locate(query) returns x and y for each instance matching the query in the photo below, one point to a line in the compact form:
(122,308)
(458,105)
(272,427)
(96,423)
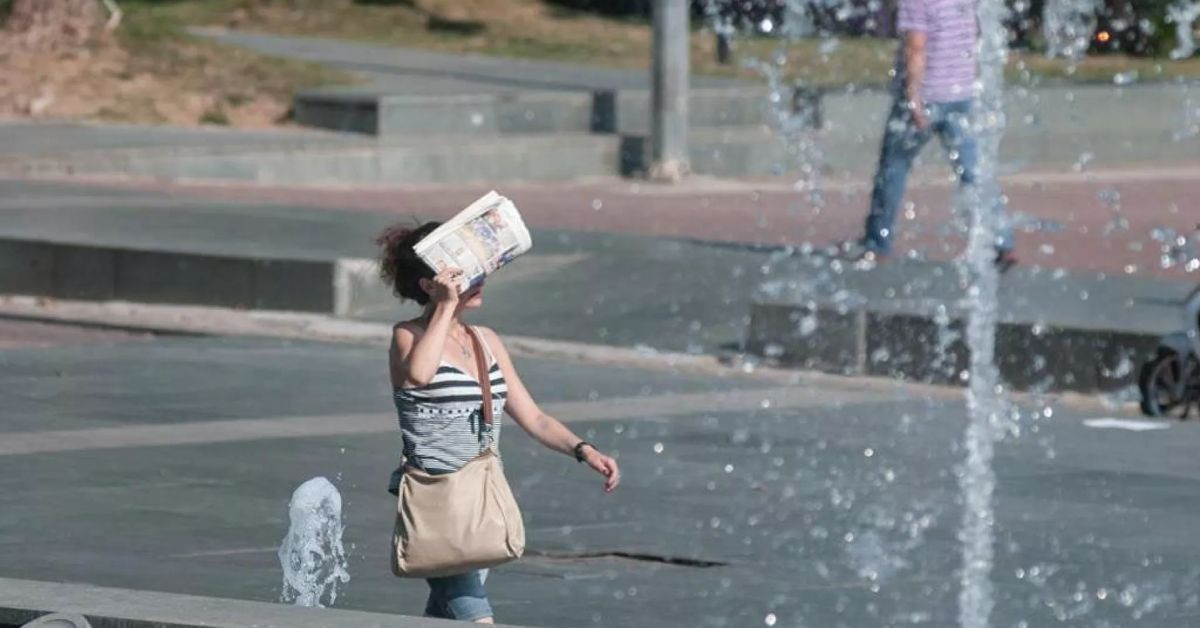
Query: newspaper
(481,239)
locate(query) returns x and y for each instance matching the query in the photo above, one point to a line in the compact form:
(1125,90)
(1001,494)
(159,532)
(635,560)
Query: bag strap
(485,375)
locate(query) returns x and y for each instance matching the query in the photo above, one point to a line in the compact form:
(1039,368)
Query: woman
(438,396)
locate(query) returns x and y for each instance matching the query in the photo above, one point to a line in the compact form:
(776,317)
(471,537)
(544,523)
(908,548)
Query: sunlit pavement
(1114,221)
(823,505)
(617,275)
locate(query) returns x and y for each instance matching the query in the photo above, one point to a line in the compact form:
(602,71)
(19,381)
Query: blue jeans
(459,597)
(902,140)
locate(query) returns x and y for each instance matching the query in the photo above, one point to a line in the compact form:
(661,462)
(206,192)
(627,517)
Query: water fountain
(1067,27)
(312,555)
(1184,15)
(985,403)
(867,552)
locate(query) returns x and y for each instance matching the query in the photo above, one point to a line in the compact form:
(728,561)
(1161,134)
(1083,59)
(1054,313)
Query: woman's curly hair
(399,266)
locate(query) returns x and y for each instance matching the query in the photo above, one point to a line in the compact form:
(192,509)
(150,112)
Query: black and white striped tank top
(442,422)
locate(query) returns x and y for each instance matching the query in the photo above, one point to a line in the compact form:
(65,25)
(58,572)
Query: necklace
(461,347)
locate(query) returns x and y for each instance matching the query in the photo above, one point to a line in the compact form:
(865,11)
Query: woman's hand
(444,286)
(605,466)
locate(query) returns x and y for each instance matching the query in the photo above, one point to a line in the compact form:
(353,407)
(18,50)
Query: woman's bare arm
(416,355)
(544,428)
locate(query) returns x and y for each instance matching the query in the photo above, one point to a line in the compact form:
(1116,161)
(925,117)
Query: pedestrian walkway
(819,504)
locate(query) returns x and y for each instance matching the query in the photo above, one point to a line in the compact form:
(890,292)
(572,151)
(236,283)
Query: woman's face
(472,299)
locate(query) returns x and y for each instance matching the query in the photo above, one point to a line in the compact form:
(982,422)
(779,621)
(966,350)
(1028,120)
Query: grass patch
(534,29)
(153,32)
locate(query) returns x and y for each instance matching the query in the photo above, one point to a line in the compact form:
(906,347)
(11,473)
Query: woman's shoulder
(405,333)
(412,326)
(487,332)
(493,339)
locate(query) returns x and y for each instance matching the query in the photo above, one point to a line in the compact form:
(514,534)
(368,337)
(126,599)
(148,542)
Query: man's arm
(914,65)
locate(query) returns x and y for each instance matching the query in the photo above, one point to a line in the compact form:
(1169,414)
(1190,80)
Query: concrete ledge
(1098,124)
(401,116)
(434,159)
(717,152)
(853,340)
(98,273)
(22,601)
(708,108)
(533,112)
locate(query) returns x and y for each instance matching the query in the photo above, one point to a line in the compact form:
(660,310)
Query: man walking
(936,73)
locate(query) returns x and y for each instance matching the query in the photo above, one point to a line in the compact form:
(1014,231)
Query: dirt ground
(58,60)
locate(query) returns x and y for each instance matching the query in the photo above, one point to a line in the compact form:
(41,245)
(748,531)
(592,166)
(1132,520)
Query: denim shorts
(459,597)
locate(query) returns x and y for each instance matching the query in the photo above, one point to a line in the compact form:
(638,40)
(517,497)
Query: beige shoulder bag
(452,523)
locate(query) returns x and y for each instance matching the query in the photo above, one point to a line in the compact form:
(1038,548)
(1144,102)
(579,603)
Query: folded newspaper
(480,240)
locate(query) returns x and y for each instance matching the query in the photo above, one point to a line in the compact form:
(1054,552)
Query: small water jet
(312,555)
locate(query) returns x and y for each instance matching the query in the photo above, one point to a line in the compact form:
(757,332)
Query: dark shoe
(1005,260)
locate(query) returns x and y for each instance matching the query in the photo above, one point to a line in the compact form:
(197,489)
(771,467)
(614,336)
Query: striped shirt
(952,34)
(441,422)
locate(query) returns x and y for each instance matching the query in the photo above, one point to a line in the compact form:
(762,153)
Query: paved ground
(1112,221)
(166,463)
(25,139)
(830,504)
(636,273)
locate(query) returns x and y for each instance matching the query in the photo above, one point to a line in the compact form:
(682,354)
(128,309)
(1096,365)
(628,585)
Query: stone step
(708,108)
(1058,125)
(24,601)
(625,111)
(436,159)
(405,116)
(136,273)
(722,152)
(749,151)
(864,340)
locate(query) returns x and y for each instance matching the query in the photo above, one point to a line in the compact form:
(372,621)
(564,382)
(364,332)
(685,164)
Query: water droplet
(868,452)
(658,448)
(597,204)
(1125,78)
(769,619)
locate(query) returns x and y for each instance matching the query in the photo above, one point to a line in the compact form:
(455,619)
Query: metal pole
(669,97)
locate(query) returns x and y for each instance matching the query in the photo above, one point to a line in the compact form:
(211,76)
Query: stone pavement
(831,504)
(1112,221)
(607,277)
(24,139)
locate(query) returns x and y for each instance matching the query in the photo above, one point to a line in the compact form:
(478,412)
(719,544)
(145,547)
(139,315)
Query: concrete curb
(930,348)
(433,159)
(523,112)
(404,116)
(22,601)
(99,273)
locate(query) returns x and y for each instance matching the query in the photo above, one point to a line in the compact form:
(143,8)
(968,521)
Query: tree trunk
(53,24)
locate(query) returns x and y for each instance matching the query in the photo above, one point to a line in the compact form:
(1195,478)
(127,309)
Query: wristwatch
(579,449)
